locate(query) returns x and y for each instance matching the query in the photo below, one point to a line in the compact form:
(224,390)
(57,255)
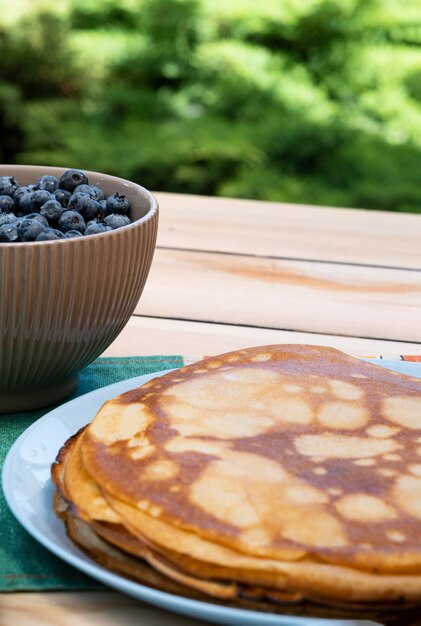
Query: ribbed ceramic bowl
(63,302)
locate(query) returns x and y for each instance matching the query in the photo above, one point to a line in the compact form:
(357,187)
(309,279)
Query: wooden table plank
(145,336)
(314,297)
(289,230)
(84,608)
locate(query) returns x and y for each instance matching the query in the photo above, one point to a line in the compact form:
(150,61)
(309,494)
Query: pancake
(281,452)
(269,475)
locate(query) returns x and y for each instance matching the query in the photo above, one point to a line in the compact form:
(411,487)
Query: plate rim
(199,609)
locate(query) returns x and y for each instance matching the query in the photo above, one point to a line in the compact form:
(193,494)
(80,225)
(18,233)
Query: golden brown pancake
(282,473)
(282,452)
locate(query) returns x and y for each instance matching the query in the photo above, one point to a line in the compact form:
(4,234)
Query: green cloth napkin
(25,565)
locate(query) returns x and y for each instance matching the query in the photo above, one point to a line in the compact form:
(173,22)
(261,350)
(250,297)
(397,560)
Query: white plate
(29,492)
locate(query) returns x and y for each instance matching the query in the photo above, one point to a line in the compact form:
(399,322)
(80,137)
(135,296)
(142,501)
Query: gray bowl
(62,303)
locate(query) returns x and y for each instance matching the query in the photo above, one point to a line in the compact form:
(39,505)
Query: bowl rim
(152,211)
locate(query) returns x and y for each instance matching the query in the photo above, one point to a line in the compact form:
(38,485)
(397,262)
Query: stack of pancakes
(264,477)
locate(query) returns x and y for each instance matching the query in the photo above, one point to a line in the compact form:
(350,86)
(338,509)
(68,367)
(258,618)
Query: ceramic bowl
(62,303)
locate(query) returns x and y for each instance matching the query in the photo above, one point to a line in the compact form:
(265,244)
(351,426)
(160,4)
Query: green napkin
(24,564)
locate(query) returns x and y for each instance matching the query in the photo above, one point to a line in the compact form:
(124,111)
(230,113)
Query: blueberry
(84,204)
(72,179)
(95,192)
(30,229)
(25,203)
(116,221)
(71,234)
(23,199)
(94,228)
(93,223)
(95,211)
(52,211)
(78,201)
(71,220)
(117,203)
(50,234)
(62,196)
(48,183)
(7,204)
(8,218)
(22,190)
(39,218)
(8,233)
(38,198)
(8,185)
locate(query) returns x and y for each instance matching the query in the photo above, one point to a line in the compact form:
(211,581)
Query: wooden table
(231,273)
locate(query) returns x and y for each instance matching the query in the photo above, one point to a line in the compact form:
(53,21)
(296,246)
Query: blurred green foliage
(316,101)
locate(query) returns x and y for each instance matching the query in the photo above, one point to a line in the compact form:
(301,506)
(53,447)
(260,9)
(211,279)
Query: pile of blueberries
(55,208)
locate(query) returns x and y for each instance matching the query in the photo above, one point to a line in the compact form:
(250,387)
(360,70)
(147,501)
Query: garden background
(292,100)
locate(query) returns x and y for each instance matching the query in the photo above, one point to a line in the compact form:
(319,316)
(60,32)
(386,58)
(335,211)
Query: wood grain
(147,336)
(83,608)
(292,231)
(313,297)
